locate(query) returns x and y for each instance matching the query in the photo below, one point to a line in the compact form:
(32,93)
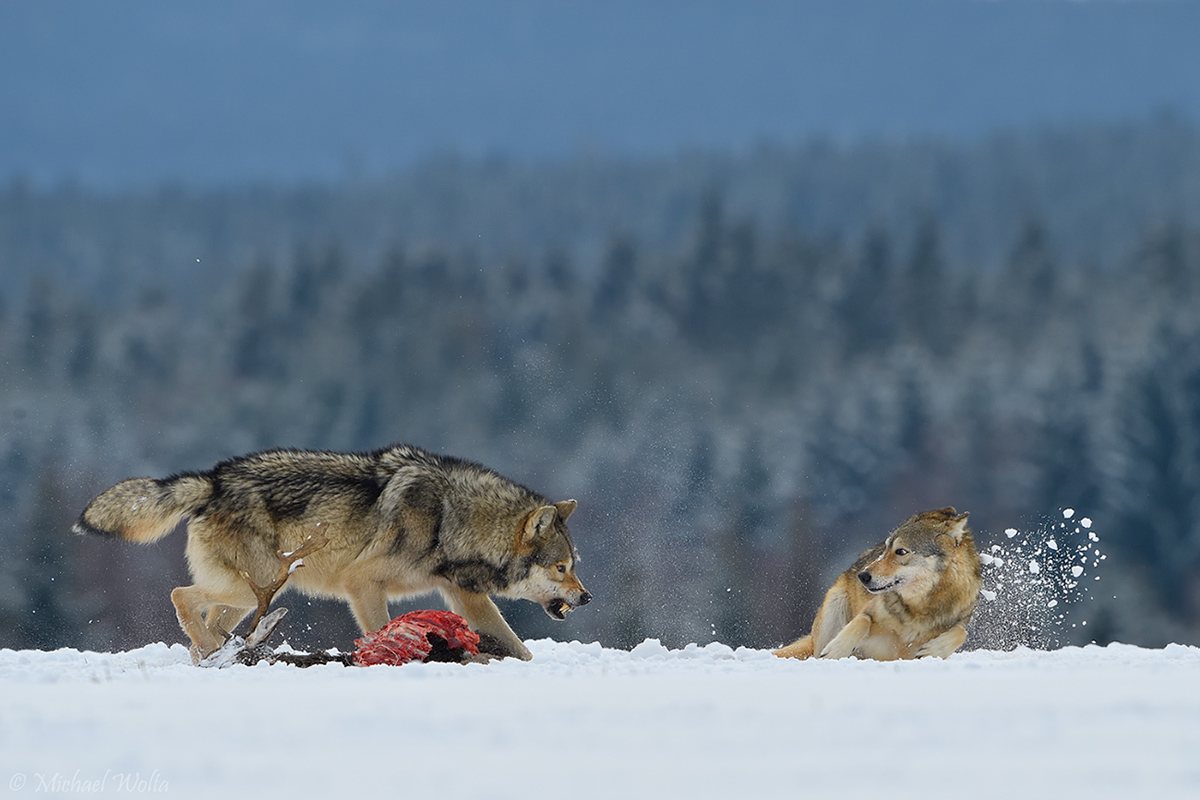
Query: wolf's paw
(849,638)
(494,647)
(929,650)
(944,645)
(838,649)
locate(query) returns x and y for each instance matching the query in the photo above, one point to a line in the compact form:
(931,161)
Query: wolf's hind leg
(849,638)
(222,619)
(484,618)
(943,645)
(801,648)
(192,603)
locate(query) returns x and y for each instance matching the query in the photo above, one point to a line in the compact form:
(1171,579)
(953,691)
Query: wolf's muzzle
(868,582)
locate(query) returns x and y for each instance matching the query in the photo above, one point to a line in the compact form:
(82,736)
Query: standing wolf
(909,596)
(398,522)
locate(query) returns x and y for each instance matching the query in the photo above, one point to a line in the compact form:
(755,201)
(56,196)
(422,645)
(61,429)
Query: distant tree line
(1095,188)
(738,413)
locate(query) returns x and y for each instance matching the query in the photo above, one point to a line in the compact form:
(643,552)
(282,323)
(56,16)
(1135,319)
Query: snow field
(584,721)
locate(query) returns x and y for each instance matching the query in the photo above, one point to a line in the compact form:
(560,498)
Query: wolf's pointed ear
(957,527)
(537,523)
(565,508)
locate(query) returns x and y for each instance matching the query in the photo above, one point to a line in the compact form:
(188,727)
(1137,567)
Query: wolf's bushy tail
(145,509)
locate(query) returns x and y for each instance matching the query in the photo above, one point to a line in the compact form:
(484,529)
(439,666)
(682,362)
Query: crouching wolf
(397,522)
(909,596)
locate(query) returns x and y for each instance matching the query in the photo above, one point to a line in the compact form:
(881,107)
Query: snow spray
(1036,586)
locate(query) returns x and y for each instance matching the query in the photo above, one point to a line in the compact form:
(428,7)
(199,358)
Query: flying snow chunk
(1068,513)
(1034,568)
(1086,522)
(988,594)
(1076,571)
(1053,545)
(1010,532)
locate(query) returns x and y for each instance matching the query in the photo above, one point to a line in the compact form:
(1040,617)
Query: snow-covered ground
(582,721)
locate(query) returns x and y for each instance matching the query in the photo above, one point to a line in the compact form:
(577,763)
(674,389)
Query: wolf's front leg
(843,645)
(484,618)
(370,606)
(943,645)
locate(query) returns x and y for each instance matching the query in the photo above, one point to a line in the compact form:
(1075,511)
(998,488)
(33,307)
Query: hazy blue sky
(125,93)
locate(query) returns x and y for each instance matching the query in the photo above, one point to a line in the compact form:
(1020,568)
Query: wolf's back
(145,509)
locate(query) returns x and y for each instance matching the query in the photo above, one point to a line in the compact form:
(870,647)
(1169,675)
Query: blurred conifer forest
(746,367)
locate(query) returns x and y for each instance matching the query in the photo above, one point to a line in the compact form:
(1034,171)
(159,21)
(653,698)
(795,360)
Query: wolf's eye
(562,569)
(900,551)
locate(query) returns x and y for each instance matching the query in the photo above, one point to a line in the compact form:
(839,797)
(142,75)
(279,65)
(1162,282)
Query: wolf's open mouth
(558,608)
(878,589)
